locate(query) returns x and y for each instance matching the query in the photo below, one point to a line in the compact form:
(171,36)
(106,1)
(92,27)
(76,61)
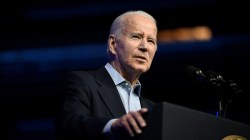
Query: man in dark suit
(106,103)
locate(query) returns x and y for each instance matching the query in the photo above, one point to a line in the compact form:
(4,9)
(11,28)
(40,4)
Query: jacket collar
(109,93)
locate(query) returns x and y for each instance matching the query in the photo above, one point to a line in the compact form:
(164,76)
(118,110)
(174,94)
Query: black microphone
(230,88)
(193,71)
(212,79)
(229,83)
(198,75)
(214,82)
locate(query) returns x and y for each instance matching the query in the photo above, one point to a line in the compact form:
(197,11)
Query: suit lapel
(109,93)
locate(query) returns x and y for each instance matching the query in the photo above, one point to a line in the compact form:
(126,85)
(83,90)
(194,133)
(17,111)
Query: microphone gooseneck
(226,90)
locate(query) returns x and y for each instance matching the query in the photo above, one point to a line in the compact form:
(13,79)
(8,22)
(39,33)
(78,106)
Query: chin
(142,69)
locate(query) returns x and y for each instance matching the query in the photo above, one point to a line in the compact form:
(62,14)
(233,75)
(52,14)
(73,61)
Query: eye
(151,41)
(136,36)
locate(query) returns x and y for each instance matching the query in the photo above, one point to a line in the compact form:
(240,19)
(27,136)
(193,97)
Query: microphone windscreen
(191,71)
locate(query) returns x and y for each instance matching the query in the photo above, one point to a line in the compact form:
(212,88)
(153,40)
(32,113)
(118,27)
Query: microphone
(225,89)
(198,75)
(230,84)
(211,78)
(193,71)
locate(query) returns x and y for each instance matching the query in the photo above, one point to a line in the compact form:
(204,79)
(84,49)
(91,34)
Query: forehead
(140,23)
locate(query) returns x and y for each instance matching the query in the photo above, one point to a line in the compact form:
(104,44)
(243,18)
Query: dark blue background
(41,40)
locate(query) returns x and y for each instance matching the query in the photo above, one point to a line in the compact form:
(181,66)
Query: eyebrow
(141,34)
(152,38)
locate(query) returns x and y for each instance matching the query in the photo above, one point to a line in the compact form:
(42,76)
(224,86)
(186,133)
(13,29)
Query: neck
(130,76)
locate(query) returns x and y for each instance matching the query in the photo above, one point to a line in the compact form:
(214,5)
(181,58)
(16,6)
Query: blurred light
(73,52)
(185,34)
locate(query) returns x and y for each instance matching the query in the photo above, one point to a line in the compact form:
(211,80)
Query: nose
(143,45)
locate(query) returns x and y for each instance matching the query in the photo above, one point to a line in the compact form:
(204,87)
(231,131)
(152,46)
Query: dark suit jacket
(90,99)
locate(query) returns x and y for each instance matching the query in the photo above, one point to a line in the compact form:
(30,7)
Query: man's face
(136,46)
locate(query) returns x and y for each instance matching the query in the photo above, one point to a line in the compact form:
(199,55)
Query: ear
(112,44)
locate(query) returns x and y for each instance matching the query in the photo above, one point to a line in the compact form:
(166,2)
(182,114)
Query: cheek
(129,52)
(152,53)
(125,54)
(122,50)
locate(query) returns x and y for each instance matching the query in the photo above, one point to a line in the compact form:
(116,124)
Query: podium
(168,121)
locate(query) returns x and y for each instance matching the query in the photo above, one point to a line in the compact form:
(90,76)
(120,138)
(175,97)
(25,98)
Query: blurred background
(43,39)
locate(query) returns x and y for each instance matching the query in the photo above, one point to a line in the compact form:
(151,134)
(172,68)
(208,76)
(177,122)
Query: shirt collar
(137,88)
(118,79)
